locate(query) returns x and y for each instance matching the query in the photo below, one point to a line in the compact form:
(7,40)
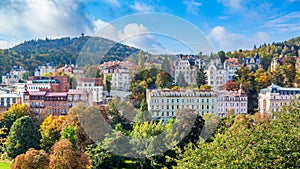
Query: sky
(158,26)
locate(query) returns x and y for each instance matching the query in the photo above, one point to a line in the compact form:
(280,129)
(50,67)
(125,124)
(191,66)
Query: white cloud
(140,7)
(225,40)
(132,34)
(113,3)
(233,4)
(288,22)
(137,35)
(29,19)
(192,6)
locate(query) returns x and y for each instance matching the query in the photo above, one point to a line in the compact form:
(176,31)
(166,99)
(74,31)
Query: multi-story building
(187,65)
(217,76)
(252,62)
(236,100)
(8,99)
(93,86)
(47,68)
(231,65)
(14,76)
(274,97)
(37,83)
(163,104)
(55,103)
(277,61)
(121,73)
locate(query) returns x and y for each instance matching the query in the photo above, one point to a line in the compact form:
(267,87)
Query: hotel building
(163,104)
(274,97)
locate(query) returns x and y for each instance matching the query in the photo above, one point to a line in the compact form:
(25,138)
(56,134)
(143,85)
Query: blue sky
(228,24)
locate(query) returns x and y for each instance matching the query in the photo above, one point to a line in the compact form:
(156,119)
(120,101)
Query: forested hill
(83,50)
(267,51)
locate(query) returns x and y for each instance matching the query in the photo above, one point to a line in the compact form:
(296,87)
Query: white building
(121,73)
(14,76)
(8,99)
(274,97)
(231,65)
(217,76)
(163,104)
(236,100)
(94,86)
(187,65)
(47,68)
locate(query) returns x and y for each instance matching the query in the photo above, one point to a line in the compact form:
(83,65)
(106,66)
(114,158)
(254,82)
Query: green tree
(252,141)
(222,56)
(107,83)
(143,114)
(25,75)
(181,80)
(69,133)
(165,66)
(201,77)
(22,136)
(163,80)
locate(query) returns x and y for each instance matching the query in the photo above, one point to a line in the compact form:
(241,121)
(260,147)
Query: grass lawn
(4,165)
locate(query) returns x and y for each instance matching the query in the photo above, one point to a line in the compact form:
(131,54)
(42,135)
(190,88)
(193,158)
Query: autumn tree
(63,156)
(22,136)
(12,114)
(163,80)
(33,159)
(50,130)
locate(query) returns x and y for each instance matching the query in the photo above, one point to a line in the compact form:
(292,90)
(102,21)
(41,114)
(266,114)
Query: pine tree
(181,80)
(141,62)
(165,66)
(201,77)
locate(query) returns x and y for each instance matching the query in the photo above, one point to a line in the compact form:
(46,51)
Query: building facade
(93,86)
(47,68)
(252,62)
(188,66)
(274,97)
(8,99)
(236,100)
(14,76)
(217,76)
(54,103)
(231,65)
(121,73)
(163,104)
(38,83)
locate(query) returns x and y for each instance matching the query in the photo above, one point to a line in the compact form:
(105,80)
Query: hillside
(80,50)
(268,51)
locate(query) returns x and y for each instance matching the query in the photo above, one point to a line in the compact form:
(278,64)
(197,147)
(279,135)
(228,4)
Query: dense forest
(79,50)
